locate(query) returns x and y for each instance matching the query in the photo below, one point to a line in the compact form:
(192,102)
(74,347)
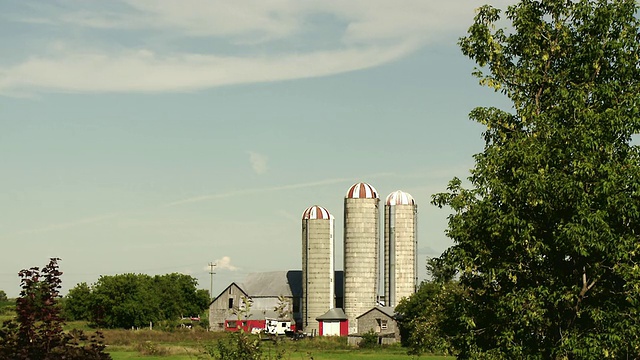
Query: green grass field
(188,344)
(316,349)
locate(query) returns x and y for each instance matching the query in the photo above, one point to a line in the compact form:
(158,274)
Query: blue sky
(156,137)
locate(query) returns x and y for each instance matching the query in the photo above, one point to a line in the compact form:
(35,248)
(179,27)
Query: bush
(369,340)
(150,348)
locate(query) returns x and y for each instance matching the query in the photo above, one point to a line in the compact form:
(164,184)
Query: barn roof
(285,283)
(273,284)
(278,283)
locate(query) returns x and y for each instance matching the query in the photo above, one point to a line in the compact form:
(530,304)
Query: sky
(160,136)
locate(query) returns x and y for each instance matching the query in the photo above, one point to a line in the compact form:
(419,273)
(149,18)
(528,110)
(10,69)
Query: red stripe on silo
(351,189)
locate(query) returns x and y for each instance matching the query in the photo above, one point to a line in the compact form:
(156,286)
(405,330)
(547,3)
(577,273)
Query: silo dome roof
(400,197)
(362,191)
(316,212)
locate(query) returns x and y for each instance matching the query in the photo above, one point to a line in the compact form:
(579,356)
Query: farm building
(333,323)
(380,319)
(317,296)
(265,291)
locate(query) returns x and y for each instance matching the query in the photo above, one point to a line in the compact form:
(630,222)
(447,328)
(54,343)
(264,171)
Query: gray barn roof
(285,283)
(273,284)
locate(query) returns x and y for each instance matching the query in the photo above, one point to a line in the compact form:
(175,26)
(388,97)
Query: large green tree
(427,317)
(77,303)
(126,300)
(546,237)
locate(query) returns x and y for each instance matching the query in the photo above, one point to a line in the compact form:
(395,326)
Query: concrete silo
(317,266)
(400,243)
(361,243)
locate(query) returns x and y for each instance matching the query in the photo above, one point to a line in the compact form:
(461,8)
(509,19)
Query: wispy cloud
(361,34)
(196,199)
(258,162)
(71,224)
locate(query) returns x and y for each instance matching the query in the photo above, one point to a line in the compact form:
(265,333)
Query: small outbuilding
(382,321)
(333,323)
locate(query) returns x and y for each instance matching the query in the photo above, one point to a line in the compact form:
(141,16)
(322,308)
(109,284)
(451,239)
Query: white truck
(277,327)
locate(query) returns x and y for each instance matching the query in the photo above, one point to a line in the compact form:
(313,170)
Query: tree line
(135,300)
(546,234)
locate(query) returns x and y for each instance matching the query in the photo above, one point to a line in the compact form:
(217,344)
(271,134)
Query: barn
(266,291)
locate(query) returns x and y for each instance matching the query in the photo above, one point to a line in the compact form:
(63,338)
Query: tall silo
(400,244)
(317,266)
(361,243)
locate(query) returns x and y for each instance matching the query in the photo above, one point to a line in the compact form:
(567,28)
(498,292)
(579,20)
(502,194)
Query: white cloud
(224,264)
(361,34)
(144,71)
(258,162)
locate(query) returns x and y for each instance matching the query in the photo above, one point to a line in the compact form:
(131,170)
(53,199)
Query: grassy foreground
(355,354)
(183,344)
(189,344)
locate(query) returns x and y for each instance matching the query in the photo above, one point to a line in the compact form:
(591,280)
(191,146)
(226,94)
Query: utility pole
(211,273)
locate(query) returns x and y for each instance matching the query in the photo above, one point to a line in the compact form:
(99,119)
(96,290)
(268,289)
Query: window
(230,303)
(383,324)
(232,324)
(244,323)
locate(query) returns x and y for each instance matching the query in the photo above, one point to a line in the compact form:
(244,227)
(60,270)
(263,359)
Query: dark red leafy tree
(37,331)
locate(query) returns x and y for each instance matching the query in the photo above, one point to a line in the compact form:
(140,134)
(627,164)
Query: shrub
(369,340)
(151,348)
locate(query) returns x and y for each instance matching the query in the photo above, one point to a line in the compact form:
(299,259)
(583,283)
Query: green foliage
(77,303)
(7,307)
(239,346)
(135,300)
(546,238)
(284,309)
(369,340)
(426,317)
(3,296)
(440,270)
(37,331)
